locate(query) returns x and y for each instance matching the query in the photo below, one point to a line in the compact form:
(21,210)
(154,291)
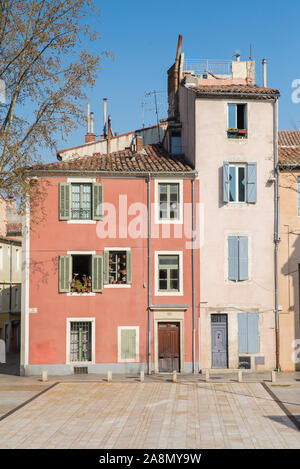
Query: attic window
(176,148)
(237,121)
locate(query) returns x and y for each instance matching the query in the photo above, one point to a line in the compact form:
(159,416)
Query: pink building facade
(108,274)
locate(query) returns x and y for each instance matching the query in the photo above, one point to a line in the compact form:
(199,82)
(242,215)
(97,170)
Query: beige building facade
(289,250)
(228,128)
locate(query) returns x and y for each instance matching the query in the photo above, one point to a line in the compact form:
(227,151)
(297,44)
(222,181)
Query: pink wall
(114,306)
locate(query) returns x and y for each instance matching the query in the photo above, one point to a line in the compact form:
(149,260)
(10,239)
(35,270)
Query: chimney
(264,64)
(104,116)
(138,143)
(173,83)
(109,135)
(90,136)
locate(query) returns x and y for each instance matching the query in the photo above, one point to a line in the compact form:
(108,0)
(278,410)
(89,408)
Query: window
(176,148)
(168,273)
(117,267)
(80,341)
(80,201)
(237,126)
(248,332)
(81,196)
(238,258)
(80,273)
(240,182)
(128,343)
(168,201)
(237,183)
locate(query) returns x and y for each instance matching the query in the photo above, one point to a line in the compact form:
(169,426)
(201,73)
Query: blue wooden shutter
(226,182)
(243,258)
(252,183)
(233,258)
(253,333)
(243,332)
(248,332)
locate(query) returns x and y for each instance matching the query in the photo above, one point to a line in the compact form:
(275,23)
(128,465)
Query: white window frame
(158,292)
(81,180)
(83,253)
(120,285)
(137,345)
(159,221)
(236,166)
(68,342)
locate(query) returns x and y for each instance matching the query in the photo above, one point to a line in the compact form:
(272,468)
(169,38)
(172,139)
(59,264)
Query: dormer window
(237,121)
(176,148)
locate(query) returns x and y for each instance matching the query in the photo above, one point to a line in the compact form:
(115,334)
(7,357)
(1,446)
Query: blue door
(219,341)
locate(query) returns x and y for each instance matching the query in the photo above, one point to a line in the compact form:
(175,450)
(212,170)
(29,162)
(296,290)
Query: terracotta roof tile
(252,90)
(289,138)
(153,158)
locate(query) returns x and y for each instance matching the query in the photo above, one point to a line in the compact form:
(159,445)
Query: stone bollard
(142,376)
(44,375)
(174,376)
(240,376)
(109,376)
(207,376)
(273,376)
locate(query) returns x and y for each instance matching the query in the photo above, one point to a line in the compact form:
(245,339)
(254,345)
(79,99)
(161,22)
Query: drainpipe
(149,274)
(276,229)
(193,278)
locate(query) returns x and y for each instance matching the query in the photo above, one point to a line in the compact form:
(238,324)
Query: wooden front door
(168,346)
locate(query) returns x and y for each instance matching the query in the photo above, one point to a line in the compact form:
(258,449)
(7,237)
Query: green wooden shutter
(128,344)
(97,274)
(97,201)
(128,267)
(64,201)
(226,182)
(106,267)
(252,183)
(64,274)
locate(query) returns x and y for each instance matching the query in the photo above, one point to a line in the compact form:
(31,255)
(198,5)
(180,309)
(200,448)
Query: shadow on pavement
(12,365)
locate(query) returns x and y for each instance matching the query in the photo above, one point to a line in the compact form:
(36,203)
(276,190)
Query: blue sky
(143,37)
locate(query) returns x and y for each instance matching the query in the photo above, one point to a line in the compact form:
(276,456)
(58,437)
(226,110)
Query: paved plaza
(148,415)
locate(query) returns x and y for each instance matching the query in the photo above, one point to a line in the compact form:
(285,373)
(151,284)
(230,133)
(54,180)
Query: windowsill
(81,363)
(168,222)
(129,360)
(82,222)
(81,294)
(159,293)
(117,285)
